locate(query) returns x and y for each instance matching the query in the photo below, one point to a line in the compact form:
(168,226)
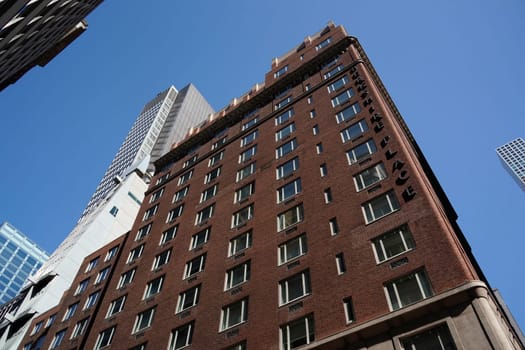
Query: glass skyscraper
(512,154)
(19,258)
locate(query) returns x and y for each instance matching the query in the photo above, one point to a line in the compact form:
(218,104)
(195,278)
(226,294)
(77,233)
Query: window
(156,195)
(162,178)
(181,337)
(353,131)
(437,338)
(380,206)
(200,238)
(234,314)
(284,117)
(240,346)
(393,243)
(289,190)
(240,243)
(91,300)
(212,175)
(79,328)
(139,347)
(143,320)
(348,113)
(288,168)
(37,328)
(339,83)
(180,194)
(135,253)
(189,162)
(362,151)
(219,143)
(150,212)
(143,232)
(283,102)
(185,177)
(82,286)
(333,72)
(292,249)
(70,311)
(313,114)
(294,287)
(349,310)
(203,215)
(310,100)
(369,176)
(248,154)
(249,124)
(280,72)
(342,97)
(210,192)
(242,216)
(315,129)
(116,306)
(330,63)
(113,211)
(334,227)
(169,234)
(215,159)
(245,172)
(323,169)
(92,264)
(126,278)
(102,275)
(105,338)
(285,132)
(51,320)
(285,148)
(57,340)
(161,259)
(111,253)
(175,213)
(319,148)
(340,263)
(297,333)
(290,217)
(237,275)
(244,192)
(195,266)
(408,290)
(246,140)
(153,287)
(188,298)
(323,44)
(327,193)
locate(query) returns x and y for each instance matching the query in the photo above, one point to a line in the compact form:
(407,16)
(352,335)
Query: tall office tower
(512,154)
(114,205)
(33,32)
(19,258)
(301,216)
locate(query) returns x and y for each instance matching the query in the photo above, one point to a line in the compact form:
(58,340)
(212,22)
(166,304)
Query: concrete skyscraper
(114,205)
(512,154)
(32,32)
(301,216)
(19,258)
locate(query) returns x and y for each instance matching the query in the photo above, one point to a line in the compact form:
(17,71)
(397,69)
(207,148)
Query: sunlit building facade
(512,154)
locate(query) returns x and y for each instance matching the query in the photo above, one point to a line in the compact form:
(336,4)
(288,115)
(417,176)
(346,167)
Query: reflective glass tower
(512,154)
(19,258)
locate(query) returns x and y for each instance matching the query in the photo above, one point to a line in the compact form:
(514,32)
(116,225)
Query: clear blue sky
(455,69)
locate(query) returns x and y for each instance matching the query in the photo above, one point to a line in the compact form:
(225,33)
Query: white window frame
(334,226)
(289,190)
(284,117)
(148,214)
(323,44)
(249,124)
(233,246)
(237,217)
(188,299)
(203,215)
(199,261)
(170,233)
(105,338)
(189,161)
(348,306)
(248,154)
(339,83)
(185,177)
(147,316)
(348,113)
(226,314)
(116,306)
(237,275)
(143,231)
(323,170)
(298,217)
(244,192)
(79,328)
(92,264)
(343,97)
(219,143)
(135,253)
(161,259)
(285,132)
(251,137)
(404,242)
(91,300)
(126,278)
(392,290)
(70,311)
(215,158)
(245,172)
(58,338)
(153,287)
(200,238)
(111,253)
(175,213)
(284,249)
(301,281)
(370,176)
(284,102)
(340,263)
(309,332)
(212,175)
(333,72)
(379,202)
(82,286)
(368,146)
(280,171)
(348,134)
(185,331)
(280,72)
(155,196)
(286,148)
(180,194)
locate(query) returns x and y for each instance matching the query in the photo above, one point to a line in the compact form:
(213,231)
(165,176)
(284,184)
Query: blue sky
(454,69)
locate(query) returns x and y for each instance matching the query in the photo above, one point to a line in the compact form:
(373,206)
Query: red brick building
(303,215)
